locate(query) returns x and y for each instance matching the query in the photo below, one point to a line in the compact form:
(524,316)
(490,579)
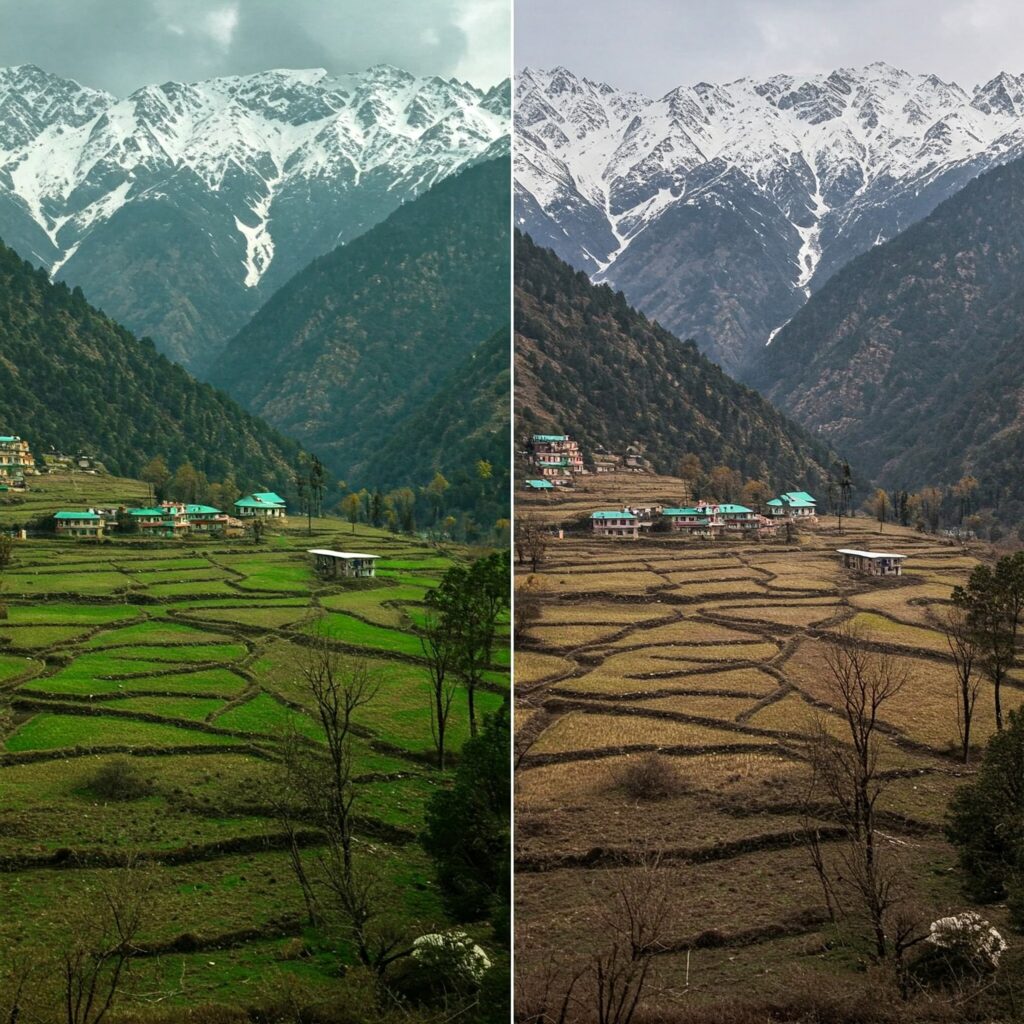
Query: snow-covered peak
(809,143)
(74,156)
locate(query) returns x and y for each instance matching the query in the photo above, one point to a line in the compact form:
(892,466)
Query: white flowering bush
(970,937)
(443,966)
(454,955)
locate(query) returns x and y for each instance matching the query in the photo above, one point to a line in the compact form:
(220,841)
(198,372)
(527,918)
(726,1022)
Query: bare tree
(846,776)
(531,541)
(97,941)
(440,644)
(963,648)
(342,890)
(634,917)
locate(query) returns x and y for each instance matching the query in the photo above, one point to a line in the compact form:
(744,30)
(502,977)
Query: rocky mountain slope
(360,342)
(181,208)
(73,379)
(909,359)
(719,208)
(589,364)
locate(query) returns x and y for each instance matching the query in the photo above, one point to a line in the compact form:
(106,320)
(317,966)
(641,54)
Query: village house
(342,564)
(614,524)
(79,524)
(15,458)
(206,519)
(695,521)
(262,504)
(793,505)
(873,563)
(705,519)
(166,520)
(539,485)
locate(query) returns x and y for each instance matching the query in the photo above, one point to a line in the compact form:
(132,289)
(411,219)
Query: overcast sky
(120,45)
(655,45)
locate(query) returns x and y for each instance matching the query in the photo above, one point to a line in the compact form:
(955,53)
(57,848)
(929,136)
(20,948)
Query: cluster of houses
(707,519)
(172,519)
(16,461)
(557,459)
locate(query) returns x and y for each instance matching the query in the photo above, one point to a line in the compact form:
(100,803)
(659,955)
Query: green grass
(155,632)
(348,630)
(56,732)
(11,667)
(29,637)
(79,683)
(54,613)
(227,589)
(200,652)
(263,714)
(197,708)
(87,584)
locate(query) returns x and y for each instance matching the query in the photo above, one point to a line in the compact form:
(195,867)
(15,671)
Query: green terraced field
(187,656)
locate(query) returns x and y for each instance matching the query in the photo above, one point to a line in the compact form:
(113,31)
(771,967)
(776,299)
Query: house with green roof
(15,457)
(793,505)
(695,521)
(165,520)
(555,455)
(540,485)
(262,505)
(616,523)
(78,524)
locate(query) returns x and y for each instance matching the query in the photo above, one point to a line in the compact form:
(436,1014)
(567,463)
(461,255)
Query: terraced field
(187,657)
(711,655)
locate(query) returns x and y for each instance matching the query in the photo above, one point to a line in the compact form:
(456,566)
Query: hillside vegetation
(347,354)
(72,378)
(908,360)
(589,364)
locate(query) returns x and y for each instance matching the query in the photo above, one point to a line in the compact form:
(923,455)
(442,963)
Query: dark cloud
(655,45)
(119,45)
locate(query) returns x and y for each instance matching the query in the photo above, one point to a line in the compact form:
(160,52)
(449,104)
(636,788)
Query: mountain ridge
(275,168)
(798,174)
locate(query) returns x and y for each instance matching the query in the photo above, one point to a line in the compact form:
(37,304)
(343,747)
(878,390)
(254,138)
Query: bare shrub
(650,777)
(120,778)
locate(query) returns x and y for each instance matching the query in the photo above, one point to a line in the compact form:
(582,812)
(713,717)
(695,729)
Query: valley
(668,692)
(179,664)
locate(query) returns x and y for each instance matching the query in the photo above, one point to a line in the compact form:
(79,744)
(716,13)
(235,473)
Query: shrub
(443,966)
(119,779)
(650,777)
(962,949)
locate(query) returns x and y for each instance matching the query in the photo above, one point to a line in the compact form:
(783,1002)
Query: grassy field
(186,655)
(711,656)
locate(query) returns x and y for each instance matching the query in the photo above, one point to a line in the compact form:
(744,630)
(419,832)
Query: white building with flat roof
(874,563)
(342,564)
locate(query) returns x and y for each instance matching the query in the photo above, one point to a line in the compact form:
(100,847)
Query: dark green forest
(73,379)
(354,355)
(464,424)
(589,364)
(909,358)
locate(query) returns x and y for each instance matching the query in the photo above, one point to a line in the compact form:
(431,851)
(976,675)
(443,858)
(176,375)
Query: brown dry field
(711,655)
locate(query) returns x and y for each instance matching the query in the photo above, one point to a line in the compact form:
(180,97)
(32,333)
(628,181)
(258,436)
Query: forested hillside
(587,363)
(909,358)
(464,426)
(348,355)
(73,379)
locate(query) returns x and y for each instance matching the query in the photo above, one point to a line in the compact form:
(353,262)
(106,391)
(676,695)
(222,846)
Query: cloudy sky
(656,45)
(119,45)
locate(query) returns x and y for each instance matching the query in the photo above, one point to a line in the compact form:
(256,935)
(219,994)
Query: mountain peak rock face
(719,208)
(182,207)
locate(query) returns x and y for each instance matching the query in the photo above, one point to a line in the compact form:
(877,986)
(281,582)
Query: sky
(653,46)
(120,45)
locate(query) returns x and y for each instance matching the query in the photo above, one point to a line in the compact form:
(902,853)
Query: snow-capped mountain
(183,206)
(719,208)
